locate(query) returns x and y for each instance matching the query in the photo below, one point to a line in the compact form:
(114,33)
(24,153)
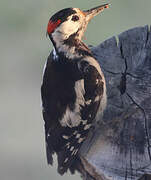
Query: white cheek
(69,27)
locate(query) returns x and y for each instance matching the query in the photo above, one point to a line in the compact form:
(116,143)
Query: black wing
(58,97)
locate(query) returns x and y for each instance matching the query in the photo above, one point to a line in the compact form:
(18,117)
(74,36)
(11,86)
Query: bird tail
(66,142)
(68,155)
(67,145)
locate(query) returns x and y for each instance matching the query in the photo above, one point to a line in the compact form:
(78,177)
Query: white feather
(44,68)
(73,118)
(55,55)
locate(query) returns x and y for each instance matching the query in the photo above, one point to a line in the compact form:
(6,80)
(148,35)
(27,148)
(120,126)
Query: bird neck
(71,48)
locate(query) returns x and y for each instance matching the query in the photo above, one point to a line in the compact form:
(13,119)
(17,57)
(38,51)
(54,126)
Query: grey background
(23,51)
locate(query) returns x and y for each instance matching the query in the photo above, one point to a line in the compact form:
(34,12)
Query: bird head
(71,22)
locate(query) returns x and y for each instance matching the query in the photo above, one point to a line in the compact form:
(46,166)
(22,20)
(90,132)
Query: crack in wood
(146,123)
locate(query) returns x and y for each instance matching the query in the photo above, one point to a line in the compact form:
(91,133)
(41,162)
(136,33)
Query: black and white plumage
(73,89)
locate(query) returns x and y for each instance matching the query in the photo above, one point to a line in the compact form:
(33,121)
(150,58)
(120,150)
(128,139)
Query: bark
(120,146)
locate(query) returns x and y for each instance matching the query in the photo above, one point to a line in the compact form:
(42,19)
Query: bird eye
(75,18)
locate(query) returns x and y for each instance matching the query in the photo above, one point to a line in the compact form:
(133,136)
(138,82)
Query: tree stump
(120,146)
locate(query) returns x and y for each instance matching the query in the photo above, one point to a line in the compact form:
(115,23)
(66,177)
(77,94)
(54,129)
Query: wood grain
(120,146)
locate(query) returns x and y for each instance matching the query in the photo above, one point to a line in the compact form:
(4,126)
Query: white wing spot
(68,145)
(78,135)
(65,137)
(87,126)
(97,98)
(72,152)
(75,152)
(88,102)
(65,160)
(80,140)
(75,132)
(84,122)
(72,147)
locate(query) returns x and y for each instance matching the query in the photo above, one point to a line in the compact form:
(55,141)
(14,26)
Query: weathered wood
(146,177)
(119,148)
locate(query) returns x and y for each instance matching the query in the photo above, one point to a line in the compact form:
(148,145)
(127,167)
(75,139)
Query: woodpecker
(73,90)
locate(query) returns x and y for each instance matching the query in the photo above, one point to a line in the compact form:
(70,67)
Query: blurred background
(23,51)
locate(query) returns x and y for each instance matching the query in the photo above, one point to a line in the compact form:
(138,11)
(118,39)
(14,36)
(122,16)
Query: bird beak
(94,11)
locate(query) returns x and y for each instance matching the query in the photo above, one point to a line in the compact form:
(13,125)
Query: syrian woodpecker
(73,89)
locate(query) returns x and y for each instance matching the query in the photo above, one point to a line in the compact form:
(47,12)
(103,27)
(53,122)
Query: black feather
(63,14)
(58,94)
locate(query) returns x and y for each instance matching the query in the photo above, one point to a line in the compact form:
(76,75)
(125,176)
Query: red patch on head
(52,26)
(106,6)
